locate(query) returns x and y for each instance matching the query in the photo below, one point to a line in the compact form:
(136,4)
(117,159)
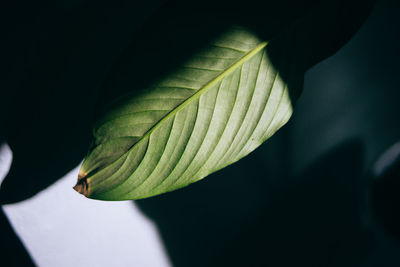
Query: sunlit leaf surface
(215,109)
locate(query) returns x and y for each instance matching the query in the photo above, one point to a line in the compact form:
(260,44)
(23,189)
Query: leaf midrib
(201,91)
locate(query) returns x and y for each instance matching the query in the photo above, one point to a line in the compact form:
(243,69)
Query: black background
(301,199)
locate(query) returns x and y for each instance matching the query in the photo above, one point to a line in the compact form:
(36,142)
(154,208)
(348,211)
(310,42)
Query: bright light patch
(62,228)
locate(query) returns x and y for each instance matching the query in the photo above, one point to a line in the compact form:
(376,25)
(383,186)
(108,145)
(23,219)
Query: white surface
(59,227)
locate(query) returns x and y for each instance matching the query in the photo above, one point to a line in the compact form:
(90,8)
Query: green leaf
(215,109)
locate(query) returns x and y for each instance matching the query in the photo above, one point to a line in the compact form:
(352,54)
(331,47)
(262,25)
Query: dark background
(301,199)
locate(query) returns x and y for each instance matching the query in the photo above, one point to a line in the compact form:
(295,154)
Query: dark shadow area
(243,216)
(313,220)
(386,197)
(324,28)
(56,59)
(12,252)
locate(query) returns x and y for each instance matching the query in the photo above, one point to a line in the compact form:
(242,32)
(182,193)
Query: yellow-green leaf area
(213,110)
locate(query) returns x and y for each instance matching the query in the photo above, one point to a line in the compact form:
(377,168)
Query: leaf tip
(82,186)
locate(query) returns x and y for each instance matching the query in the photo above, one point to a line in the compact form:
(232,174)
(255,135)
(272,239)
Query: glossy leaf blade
(215,109)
